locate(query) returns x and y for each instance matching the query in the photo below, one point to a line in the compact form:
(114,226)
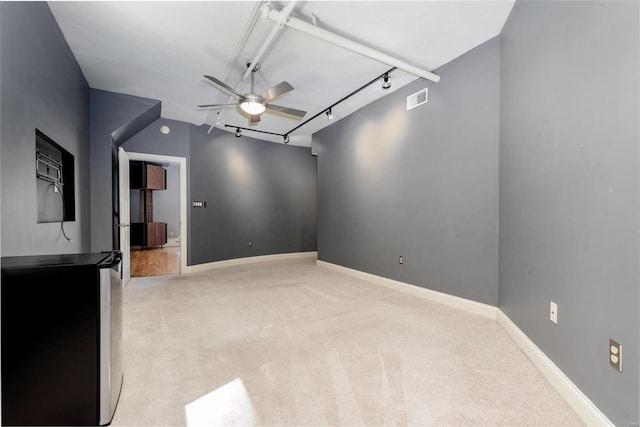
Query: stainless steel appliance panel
(110,339)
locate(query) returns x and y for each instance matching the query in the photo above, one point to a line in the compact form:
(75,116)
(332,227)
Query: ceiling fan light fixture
(252,107)
(238,133)
(386,82)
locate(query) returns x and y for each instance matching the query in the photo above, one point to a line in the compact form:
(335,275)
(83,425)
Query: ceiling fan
(253,104)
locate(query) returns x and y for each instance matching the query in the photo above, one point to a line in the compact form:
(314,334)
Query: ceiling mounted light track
(328,110)
(239,130)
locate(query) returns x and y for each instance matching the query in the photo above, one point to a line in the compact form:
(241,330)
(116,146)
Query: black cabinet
(61,339)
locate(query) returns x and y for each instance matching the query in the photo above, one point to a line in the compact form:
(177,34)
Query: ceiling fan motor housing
(253,104)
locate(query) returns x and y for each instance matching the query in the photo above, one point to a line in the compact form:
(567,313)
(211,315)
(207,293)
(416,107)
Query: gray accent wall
(422,184)
(255,190)
(42,87)
(114,116)
(151,141)
(569,190)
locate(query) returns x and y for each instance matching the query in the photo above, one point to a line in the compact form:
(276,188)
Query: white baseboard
(467,305)
(580,403)
(250,260)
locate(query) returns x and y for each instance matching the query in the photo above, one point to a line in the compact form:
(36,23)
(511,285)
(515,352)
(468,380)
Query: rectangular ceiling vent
(417,99)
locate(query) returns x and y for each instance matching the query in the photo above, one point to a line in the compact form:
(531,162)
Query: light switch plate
(553,312)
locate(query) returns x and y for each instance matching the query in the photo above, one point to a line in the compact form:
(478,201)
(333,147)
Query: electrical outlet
(401,259)
(615,355)
(250,243)
(553,312)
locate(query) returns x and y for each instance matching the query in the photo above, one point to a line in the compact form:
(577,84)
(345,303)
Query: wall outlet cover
(615,355)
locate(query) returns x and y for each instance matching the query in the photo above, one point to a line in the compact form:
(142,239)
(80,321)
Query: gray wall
(151,141)
(569,194)
(114,116)
(42,87)
(255,190)
(421,183)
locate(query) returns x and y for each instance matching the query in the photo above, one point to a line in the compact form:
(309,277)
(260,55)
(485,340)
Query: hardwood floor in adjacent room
(155,261)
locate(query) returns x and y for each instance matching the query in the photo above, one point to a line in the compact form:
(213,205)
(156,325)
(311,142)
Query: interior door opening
(144,255)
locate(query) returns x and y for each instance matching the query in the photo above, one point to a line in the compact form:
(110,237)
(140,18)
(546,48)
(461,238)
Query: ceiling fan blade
(216,105)
(286,110)
(224,86)
(254,119)
(277,91)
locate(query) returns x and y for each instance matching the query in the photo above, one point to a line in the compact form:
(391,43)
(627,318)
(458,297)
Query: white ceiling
(161,50)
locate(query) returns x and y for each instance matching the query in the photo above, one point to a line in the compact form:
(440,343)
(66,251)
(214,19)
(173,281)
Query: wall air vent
(416,99)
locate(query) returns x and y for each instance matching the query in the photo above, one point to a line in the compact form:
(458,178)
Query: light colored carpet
(293,344)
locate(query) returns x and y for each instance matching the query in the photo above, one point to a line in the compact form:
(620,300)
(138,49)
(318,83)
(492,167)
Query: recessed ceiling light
(165,129)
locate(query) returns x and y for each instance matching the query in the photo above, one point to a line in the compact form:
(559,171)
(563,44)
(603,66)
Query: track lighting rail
(343,99)
(254,130)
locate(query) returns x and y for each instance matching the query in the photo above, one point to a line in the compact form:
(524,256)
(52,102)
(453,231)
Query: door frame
(182,164)
(124,214)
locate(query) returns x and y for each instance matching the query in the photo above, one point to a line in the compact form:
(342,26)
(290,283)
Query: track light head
(286,139)
(386,82)
(238,133)
(329,114)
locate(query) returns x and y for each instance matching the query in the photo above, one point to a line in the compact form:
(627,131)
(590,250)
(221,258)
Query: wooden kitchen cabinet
(147,177)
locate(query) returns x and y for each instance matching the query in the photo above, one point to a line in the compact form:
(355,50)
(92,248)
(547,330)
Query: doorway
(155,219)
(170,258)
